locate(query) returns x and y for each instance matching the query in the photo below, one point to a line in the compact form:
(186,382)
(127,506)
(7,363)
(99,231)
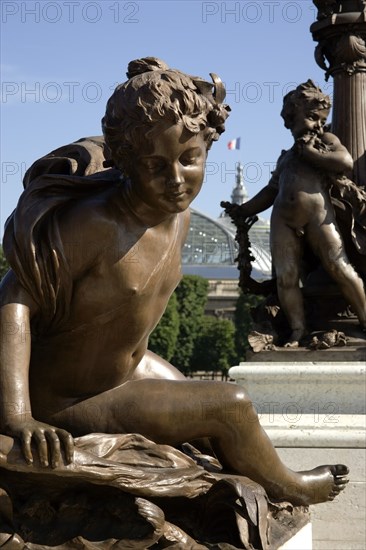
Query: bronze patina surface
(94,246)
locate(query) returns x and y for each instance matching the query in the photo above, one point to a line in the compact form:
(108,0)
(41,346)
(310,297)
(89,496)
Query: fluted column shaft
(349,119)
(341,52)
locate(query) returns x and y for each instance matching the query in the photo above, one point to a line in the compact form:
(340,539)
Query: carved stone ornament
(346,53)
(326,8)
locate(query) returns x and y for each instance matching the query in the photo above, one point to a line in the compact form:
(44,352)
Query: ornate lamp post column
(341,52)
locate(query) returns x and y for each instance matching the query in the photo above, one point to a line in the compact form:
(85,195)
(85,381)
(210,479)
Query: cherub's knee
(340,270)
(287,278)
(237,407)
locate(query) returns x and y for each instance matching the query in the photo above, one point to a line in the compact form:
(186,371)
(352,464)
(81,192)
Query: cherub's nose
(175,177)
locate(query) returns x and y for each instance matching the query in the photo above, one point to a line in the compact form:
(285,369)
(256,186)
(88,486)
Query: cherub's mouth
(176,198)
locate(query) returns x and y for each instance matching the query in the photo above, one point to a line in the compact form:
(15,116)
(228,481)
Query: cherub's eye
(190,157)
(153,165)
(187,160)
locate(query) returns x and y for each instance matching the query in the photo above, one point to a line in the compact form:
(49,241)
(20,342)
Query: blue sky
(60,61)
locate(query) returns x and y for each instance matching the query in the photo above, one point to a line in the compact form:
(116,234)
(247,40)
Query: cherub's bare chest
(145,272)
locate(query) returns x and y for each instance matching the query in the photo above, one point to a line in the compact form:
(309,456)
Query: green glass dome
(210,248)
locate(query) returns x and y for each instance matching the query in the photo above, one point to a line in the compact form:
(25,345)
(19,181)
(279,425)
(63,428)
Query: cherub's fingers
(26,440)
(54,447)
(42,447)
(68,444)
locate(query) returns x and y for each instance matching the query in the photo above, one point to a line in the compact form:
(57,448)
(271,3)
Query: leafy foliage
(163,340)
(193,341)
(192,297)
(243,321)
(215,345)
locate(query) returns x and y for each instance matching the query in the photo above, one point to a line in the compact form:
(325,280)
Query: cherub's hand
(306,141)
(312,145)
(48,440)
(234,210)
(228,206)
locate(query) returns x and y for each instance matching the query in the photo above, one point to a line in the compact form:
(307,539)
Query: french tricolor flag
(234,144)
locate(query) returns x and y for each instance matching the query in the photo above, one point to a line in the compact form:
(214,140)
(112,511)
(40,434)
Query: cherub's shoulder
(89,217)
(283,158)
(86,230)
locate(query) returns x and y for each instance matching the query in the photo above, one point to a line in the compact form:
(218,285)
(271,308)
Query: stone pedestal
(304,388)
(314,413)
(301,541)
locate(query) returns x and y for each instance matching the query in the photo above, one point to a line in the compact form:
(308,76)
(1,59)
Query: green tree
(243,322)
(4,266)
(192,297)
(163,339)
(214,348)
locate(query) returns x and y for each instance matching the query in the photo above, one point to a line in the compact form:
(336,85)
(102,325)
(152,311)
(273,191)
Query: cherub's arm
(17,308)
(260,202)
(332,156)
(16,311)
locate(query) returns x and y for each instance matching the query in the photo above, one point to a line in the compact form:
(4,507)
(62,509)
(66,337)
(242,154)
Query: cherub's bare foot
(296,336)
(292,344)
(321,484)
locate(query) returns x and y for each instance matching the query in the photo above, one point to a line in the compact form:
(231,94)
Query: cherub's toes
(340,488)
(341,481)
(339,470)
(337,489)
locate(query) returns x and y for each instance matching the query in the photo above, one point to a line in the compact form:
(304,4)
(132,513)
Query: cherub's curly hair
(155,97)
(307,93)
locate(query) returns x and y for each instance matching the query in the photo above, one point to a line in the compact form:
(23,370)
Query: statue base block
(314,413)
(301,541)
(304,387)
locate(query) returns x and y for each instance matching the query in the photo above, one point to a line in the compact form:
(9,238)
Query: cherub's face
(168,173)
(308,120)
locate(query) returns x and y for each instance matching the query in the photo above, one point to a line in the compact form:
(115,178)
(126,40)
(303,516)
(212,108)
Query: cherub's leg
(328,245)
(153,366)
(171,412)
(286,256)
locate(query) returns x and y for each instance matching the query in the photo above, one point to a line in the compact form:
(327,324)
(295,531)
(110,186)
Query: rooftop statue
(94,247)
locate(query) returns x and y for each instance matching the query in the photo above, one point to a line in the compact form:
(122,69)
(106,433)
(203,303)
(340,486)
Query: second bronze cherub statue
(308,179)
